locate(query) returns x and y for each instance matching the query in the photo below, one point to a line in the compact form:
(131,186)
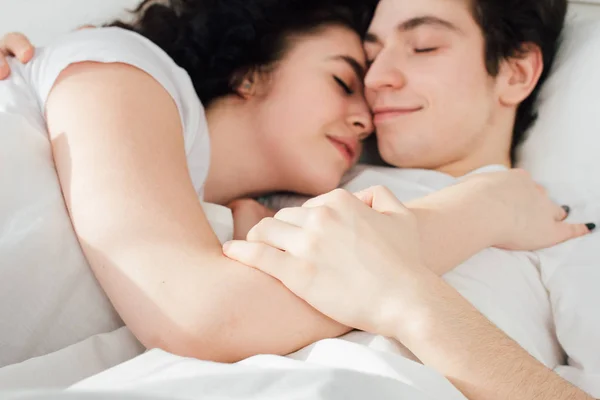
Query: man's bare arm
(448,334)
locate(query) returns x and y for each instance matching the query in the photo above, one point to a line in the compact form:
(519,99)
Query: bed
(115,361)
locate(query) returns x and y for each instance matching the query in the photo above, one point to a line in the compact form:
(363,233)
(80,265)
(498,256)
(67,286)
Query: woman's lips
(347,148)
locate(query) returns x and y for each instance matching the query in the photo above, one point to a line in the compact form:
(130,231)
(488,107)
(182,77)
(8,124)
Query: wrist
(410,310)
(462,212)
(485,222)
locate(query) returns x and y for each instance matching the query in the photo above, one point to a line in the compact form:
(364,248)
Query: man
(425,56)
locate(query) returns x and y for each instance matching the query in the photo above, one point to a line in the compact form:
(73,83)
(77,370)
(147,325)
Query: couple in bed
(221,101)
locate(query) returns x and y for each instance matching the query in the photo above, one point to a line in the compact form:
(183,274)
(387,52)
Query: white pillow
(49,298)
(562,151)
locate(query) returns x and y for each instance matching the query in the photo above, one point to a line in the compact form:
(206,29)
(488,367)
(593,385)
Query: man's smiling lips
(381,114)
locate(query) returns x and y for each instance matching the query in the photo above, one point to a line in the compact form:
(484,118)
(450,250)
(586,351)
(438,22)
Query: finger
(82,27)
(276,233)
(561,213)
(337,197)
(17,44)
(4,68)
(381,199)
(297,216)
(541,189)
(568,231)
(282,266)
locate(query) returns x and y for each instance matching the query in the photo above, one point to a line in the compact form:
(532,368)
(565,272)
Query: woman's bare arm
(119,151)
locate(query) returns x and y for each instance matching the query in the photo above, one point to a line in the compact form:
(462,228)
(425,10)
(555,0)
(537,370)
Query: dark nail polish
(567,209)
(591,227)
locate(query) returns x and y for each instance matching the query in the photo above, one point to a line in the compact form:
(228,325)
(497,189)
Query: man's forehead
(407,15)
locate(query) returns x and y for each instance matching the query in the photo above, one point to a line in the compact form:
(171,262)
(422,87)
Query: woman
(280,108)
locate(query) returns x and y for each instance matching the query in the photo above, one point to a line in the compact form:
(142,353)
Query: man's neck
(464,167)
(492,148)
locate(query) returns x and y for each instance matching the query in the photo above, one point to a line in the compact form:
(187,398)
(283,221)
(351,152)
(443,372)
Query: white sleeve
(116,45)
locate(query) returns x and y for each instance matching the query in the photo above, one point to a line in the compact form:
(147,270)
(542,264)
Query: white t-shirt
(31,84)
(49,298)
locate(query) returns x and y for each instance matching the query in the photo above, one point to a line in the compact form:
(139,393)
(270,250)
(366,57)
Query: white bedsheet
(337,369)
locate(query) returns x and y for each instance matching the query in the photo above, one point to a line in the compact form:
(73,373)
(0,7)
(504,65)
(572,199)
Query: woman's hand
(17,45)
(246,214)
(14,45)
(520,211)
(348,258)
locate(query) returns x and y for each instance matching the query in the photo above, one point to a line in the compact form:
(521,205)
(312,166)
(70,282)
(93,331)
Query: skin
(407,51)
(321,79)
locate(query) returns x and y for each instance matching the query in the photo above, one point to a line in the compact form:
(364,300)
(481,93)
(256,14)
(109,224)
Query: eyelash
(344,86)
(417,51)
(426,50)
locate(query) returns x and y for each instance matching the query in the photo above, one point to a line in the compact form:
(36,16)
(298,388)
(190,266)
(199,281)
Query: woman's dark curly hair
(220,42)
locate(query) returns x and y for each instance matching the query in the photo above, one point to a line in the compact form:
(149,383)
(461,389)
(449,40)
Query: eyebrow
(358,69)
(414,23)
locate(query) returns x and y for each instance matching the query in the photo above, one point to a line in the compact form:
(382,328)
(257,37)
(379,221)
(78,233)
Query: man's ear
(519,75)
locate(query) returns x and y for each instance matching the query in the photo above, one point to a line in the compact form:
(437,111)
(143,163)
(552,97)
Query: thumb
(381,199)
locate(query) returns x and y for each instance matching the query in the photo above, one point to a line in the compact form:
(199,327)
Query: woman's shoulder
(118,45)
(105,45)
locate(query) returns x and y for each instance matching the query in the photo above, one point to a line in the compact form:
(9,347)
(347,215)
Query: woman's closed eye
(344,85)
(425,50)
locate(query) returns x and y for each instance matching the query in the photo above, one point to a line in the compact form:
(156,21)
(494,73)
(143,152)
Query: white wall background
(42,20)
(586,9)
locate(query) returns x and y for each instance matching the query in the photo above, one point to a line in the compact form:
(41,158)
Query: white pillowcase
(49,298)
(562,151)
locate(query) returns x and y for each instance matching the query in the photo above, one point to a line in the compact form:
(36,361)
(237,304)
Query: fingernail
(226,245)
(567,209)
(591,227)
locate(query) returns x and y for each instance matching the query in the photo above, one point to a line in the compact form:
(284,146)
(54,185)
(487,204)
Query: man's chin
(403,159)
(403,153)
